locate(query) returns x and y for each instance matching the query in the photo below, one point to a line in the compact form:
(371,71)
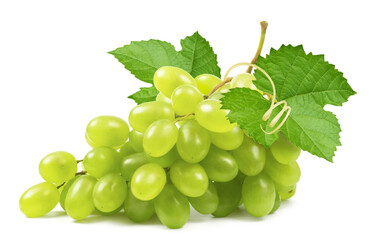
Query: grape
(38,200)
(65,190)
(146,113)
(162,98)
(210,115)
(168,78)
(258,195)
(136,140)
(277,203)
(172,208)
(284,151)
(216,96)
(109,192)
(225,88)
(193,141)
(283,189)
(160,138)
(148,181)
(79,203)
(250,157)
(289,194)
(107,131)
(131,163)
(185,99)
(92,144)
(58,167)
(166,160)
(189,178)
(220,165)
(137,210)
(206,203)
(126,150)
(110,213)
(243,80)
(228,140)
(229,195)
(282,174)
(206,82)
(102,160)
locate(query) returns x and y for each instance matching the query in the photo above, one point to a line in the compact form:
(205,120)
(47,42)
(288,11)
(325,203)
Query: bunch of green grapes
(182,150)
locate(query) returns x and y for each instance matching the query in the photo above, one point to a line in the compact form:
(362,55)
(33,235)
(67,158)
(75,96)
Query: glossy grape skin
(137,210)
(209,114)
(102,160)
(283,189)
(243,80)
(206,203)
(185,99)
(168,78)
(160,137)
(172,207)
(258,194)
(109,192)
(89,142)
(193,141)
(229,195)
(289,194)
(277,203)
(250,156)
(58,167)
(136,140)
(39,200)
(220,165)
(162,98)
(109,131)
(229,140)
(189,178)
(148,181)
(206,82)
(65,190)
(109,213)
(79,202)
(284,151)
(126,150)
(131,163)
(282,174)
(145,114)
(166,160)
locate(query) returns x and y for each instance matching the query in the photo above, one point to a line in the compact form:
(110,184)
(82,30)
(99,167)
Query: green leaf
(145,94)
(200,55)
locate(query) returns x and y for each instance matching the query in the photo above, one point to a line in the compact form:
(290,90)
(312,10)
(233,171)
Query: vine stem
(78,161)
(184,117)
(81,173)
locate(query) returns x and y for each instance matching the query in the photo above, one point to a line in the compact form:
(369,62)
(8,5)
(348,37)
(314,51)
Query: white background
(56,75)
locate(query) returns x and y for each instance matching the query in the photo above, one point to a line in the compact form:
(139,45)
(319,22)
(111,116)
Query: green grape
(277,203)
(160,138)
(166,160)
(110,213)
(92,144)
(109,192)
(107,131)
(258,195)
(216,96)
(210,115)
(189,178)
(162,98)
(206,82)
(243,80)
(145,114)
(283,189)
(65,190)
(185,99)
(282,174)
(250,156)
(168,78)
(79,203)
(229,195)
(193,141)
(225,88)
(220,165)
(102,160)
(130,163)
(148,181)
(289,194)
(38,200)
(284,151)
(136,140)
(172,207)
(137,210)
(126,150)
(228,140)
(58,167)
(206,203)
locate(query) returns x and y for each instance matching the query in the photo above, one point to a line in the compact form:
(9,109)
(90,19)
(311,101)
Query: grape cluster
(181,150)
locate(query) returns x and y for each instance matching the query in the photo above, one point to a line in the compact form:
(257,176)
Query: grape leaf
(200,55)
(145,94)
